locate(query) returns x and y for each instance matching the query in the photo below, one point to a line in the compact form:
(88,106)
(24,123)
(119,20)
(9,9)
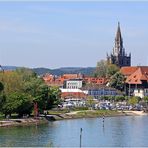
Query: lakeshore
(70,115)
(22,122)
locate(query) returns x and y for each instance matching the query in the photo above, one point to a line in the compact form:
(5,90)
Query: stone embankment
(22,122)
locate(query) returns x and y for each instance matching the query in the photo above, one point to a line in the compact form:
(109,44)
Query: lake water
(130,131)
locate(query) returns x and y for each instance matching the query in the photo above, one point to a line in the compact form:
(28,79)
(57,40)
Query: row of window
(72,87)
(102,93)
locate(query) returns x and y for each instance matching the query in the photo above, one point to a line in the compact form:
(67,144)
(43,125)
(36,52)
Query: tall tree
(117,81)
(111,69)
(103,69)
(54,94)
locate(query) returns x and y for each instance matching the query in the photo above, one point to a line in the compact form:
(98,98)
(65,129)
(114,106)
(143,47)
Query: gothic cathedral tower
(118,55)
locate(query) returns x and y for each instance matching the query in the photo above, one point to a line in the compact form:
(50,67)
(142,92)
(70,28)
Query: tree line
(20,89)
(112,73)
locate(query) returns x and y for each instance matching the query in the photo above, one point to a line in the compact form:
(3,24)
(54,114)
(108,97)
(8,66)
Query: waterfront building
(118,55)
(97,91)
(136,80)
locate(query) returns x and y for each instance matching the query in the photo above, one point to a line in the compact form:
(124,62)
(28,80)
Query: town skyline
(70,34)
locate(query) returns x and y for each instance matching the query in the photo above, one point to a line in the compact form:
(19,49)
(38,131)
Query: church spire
(118,48)
(118,56)
(118,34)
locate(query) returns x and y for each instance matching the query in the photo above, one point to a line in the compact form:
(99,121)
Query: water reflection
(112,132)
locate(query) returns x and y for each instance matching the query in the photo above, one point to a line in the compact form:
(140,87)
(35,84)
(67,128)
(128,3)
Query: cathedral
(118,55)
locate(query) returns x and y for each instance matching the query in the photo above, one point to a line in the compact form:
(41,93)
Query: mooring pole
(80,137)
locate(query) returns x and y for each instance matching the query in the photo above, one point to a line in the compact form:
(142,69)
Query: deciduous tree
(117,81)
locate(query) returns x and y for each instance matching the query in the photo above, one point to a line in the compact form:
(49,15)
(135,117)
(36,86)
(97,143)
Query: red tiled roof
(141,74)
(127,71)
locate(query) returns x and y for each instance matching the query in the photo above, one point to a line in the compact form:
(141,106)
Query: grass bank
(58,115)
(95,113)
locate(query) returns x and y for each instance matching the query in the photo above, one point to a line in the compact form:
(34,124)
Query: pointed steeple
(118,48)
(118,34)
(118,55)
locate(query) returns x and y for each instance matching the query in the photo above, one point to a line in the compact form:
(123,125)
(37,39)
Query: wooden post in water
(80,137)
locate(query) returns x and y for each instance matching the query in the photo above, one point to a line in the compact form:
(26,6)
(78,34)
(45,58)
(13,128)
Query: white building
(73,84)
(140,92)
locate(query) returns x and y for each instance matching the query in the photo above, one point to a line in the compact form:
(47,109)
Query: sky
(70,34)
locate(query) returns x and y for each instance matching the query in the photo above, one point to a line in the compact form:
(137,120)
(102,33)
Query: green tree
(117,81)
(90,101)
(38,92)
(112,69)
(21,83)
(119,98)
(17,103)
(133,101)
(22,89)
(103,69)
(54,97)
(146,101)
(145,98)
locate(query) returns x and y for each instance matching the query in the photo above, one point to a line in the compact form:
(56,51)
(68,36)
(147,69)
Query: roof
(127,71)
(77,79)
(141,74)
(95,87)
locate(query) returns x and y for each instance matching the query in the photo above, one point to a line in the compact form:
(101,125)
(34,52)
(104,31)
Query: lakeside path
(132,113)
(135,113)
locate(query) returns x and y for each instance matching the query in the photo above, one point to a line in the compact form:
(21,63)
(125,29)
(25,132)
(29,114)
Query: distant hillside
(10,67)
(41,71)
(58,71)
(68,70)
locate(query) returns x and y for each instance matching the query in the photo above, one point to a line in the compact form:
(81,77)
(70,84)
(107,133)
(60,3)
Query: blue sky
(70,34)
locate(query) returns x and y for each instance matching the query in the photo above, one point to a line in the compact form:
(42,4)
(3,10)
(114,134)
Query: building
(72,80)
(73,83)
(136,80)
(97,91)
(95,80)
(118,55)
(72,93)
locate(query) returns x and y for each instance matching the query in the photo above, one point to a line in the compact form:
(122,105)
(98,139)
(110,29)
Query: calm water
(117,131)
